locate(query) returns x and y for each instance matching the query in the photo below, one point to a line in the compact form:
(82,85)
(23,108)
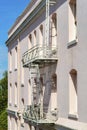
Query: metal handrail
(38,51)
(33,113)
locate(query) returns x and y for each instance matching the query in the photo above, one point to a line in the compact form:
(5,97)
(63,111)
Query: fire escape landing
(39,55)
(33,114)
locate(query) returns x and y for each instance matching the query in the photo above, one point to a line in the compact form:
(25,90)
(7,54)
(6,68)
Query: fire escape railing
(32,113)
(39,52)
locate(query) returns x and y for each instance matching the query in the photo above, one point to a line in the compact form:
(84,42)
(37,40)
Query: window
(29,92)
(33,127)
(10,61)
(73,92)
(41,35)
(30,41)
(16,58)
(54,92)
(10,122)
(35,38)
(10,94)
(22,75)
(22,102)
(54,30)
(16,95)
(72,20)
(16,125)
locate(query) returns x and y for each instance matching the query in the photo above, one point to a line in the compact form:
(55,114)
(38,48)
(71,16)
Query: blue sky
(9,11)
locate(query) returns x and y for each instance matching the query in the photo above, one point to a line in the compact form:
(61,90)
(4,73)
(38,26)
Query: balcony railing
(40,53)
(34,114)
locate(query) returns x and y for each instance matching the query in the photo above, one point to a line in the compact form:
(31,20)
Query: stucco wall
(69,57)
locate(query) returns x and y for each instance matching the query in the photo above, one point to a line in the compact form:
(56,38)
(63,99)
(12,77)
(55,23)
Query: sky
(9,11)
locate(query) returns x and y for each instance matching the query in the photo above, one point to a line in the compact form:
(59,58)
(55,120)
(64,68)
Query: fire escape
(34,58)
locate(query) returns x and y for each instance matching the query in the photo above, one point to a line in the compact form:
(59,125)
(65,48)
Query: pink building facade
(47,66)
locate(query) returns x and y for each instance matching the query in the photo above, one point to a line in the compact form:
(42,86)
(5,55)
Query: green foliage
(3,120)
(3,101)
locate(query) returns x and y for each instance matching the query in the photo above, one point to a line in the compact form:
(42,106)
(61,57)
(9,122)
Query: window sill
(15,69)
(72,43)
(73,116)
(10,71)
(10,104)
(22,84)
(15,105)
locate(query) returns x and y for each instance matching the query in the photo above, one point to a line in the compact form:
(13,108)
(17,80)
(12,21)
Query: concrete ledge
(73,116)
(72,43)
(71,124)
(12,112)
(15,105)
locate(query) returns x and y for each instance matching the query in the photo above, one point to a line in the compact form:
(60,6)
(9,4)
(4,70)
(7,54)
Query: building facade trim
(26,22)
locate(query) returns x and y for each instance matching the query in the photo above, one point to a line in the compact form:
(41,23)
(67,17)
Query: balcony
(39,55)
(36,115)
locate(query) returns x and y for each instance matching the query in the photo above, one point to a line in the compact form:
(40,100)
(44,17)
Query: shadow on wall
(50,87)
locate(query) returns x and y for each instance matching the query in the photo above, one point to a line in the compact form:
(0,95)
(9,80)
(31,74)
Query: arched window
(54,92)
(73,92)
(16,124)
(54,29)
(10,61)
(41,35)
(35,38)
(16,57)
(16,94)
(29,92)
(30,41)
(72,20)
(10,93)
(9,122)
(22,75)
(22,102)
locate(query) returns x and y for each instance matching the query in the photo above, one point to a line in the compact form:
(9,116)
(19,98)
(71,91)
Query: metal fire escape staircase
(33,59)
(34,112)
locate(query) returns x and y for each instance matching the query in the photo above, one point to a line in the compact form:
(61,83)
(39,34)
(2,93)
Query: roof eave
(25,22)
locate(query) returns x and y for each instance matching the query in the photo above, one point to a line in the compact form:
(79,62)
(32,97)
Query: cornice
(26,21)
(28,10)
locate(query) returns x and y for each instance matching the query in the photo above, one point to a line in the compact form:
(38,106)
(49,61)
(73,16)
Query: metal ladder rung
(52,2)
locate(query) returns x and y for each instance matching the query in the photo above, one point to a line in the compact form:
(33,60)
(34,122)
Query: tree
(3,100)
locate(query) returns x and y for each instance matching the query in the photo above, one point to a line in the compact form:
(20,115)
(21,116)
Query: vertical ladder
(39,92)
(47,22)
(36,88)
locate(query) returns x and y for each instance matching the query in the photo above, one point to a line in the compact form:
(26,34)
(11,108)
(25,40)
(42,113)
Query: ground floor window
(73,92)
